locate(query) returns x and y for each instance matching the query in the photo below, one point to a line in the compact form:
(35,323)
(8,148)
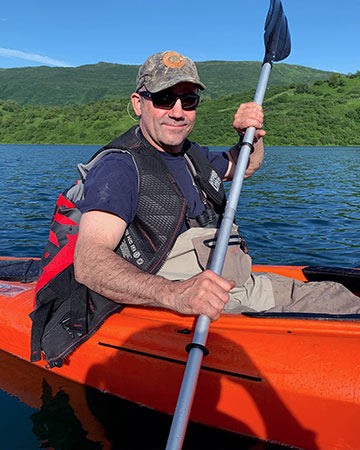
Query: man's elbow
(80,272)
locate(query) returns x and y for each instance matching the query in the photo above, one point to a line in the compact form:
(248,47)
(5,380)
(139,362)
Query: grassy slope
(59,86)
(226,77)
(323,113)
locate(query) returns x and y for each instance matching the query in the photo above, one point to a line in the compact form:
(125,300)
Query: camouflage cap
(164,70)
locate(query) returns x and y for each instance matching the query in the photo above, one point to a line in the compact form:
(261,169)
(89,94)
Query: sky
(325,34)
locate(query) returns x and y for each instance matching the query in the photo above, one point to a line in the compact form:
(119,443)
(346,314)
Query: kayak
(285,378)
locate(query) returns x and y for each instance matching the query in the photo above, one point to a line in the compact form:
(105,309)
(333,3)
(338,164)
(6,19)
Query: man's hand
(205,293)
(249,115)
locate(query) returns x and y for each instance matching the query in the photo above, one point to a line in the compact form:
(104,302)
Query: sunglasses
(167,99)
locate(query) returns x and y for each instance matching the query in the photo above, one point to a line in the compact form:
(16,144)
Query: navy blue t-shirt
(112,184)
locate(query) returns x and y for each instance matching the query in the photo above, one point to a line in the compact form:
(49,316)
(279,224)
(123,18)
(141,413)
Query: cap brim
(166,84)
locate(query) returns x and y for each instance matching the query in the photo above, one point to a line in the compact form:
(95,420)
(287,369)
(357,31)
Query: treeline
(96,122)
(304,114)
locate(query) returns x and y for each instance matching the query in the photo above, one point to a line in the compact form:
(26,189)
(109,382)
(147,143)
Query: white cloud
(32,57)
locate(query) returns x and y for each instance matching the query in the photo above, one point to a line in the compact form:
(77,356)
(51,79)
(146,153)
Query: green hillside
(322,113)
(59,86)
(227,77)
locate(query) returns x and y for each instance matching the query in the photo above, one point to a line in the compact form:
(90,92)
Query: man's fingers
(248,115)
(259,134)
(227,285)
(206,293)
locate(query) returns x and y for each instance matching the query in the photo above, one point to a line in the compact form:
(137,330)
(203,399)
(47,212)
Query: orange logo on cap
(173,60)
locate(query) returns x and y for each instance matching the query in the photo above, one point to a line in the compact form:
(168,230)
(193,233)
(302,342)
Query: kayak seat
(350,278)
(24,270)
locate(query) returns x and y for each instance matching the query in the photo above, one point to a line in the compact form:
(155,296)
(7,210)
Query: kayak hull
(291,381)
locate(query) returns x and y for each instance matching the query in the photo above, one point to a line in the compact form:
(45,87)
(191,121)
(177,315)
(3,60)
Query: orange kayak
(287,379)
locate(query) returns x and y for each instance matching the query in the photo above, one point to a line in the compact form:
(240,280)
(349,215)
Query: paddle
(277,44)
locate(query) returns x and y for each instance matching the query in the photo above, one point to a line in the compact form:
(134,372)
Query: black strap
(78,309)
(39,318)
(65,287)
(301,315)
(242,144)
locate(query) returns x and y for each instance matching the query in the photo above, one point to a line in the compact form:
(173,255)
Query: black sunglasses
(167,99)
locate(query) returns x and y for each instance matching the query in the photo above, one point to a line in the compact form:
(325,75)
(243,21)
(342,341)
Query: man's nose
(177,110)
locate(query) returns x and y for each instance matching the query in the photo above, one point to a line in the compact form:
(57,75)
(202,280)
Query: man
(165,128)
(130,226)
(149,206)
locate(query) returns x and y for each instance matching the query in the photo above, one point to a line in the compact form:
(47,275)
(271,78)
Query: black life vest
(67,312)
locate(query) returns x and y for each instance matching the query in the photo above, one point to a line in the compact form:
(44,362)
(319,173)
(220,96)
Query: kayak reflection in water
(56,424)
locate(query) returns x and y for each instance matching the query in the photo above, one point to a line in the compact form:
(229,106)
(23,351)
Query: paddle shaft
(192,370)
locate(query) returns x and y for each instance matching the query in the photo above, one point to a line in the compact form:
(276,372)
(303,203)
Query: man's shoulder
(113,162)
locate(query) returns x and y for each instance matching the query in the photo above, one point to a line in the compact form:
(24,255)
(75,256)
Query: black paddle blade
(276,36)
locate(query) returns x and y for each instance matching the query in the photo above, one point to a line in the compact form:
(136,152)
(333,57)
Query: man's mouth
(175,125)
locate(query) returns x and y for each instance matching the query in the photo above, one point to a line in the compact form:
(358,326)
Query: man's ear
(136,103)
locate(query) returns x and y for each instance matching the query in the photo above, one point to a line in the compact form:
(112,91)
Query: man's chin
(174,139)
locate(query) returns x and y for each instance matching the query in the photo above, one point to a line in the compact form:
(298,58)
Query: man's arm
(248,115)
(98,267)
(255,160)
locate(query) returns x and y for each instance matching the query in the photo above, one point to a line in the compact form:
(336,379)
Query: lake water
(302,207)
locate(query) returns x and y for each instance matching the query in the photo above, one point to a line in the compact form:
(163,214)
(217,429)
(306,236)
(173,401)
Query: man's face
(165,129)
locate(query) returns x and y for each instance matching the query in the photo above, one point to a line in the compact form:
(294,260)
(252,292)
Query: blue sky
(325,33)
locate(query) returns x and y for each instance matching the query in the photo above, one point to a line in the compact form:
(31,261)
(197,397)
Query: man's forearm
(105,272)
(255,159)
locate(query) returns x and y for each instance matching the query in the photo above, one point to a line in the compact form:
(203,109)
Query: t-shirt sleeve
(112,186)
(219,160)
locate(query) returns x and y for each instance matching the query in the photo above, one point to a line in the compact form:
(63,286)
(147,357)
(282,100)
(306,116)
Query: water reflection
(66,415)
(56,424)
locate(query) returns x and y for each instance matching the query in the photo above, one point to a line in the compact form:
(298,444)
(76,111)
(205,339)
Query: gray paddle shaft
(188,387)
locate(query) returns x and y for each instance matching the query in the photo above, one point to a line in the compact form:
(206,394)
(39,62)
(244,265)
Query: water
(301,207)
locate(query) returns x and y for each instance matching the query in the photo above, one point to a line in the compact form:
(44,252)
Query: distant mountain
(60,86)
(300,114)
